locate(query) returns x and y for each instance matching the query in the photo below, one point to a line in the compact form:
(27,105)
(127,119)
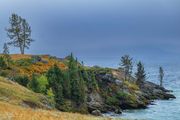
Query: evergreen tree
(19,33)
(5,49)
(77,82)
(75,90)
(3,64)
(55,79)
(84,73)
(6,53)
(82,92)
(93,84)
(140,74)
(66,86)
(126,63)
(161,76)
(85,76)
(74,77)
(33,84)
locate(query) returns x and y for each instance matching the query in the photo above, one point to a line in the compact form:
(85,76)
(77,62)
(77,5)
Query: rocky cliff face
(115,94)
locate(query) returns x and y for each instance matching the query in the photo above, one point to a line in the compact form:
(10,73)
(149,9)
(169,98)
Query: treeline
(61,86)
(126,65)
(19,33)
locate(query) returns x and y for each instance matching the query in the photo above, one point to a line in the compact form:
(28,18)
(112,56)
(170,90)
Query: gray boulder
(118,111)
(118,82)
(96,113)
(95,102)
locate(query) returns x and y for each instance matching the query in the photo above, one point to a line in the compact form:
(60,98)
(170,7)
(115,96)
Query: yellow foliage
(39,67)
(131,86)
(19,56)
(13,112)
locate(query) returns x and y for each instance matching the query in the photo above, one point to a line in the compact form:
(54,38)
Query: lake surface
(163,109)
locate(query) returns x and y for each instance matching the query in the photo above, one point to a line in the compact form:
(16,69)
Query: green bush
(4,73)
(24,62)
(51,96)
(112,101)
(122,95)
(3,64)
(33,84)
(39,84)
(42,84)
(22,80)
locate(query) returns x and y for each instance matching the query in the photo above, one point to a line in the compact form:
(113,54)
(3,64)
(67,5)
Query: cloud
(99,29)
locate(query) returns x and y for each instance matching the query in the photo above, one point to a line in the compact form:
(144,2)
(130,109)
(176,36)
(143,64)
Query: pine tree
(5,49)
(140,74)
(75,90)
(93,83)
(33,84)
(161,76)
(55,79)
(74,77)
(126,63)
(3,64)
(6,53)
(19,33)
(85,76)
(77,82)
(82,86)
(66,86)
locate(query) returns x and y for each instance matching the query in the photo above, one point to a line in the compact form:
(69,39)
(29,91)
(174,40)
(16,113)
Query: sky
(99,32)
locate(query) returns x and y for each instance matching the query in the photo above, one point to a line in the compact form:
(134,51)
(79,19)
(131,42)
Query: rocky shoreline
(133,97)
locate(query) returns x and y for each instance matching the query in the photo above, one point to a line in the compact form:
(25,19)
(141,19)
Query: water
(163,109)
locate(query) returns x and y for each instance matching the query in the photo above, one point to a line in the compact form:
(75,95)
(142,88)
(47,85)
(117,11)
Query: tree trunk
(161,83)
(22,50)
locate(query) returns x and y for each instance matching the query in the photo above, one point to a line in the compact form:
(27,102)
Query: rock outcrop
(95,102)
(152,91)
(116,95)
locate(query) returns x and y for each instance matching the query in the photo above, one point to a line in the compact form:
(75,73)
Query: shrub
(112,100)
(131,85)
(122,95)
(51,96)
(24,62)
(4,73)
(22,80)
(35,59)
(33,84)
(38,84)
(42,84)
(3,64)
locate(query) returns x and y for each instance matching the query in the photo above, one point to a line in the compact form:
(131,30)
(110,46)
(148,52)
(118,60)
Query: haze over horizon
(98,31)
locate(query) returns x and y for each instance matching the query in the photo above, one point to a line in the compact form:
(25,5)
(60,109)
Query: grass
(12,106)
(12,112)
(19,95)
(131,86)
(19,103)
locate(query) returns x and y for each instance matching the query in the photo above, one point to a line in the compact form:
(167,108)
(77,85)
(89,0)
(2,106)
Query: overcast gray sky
(100,31)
